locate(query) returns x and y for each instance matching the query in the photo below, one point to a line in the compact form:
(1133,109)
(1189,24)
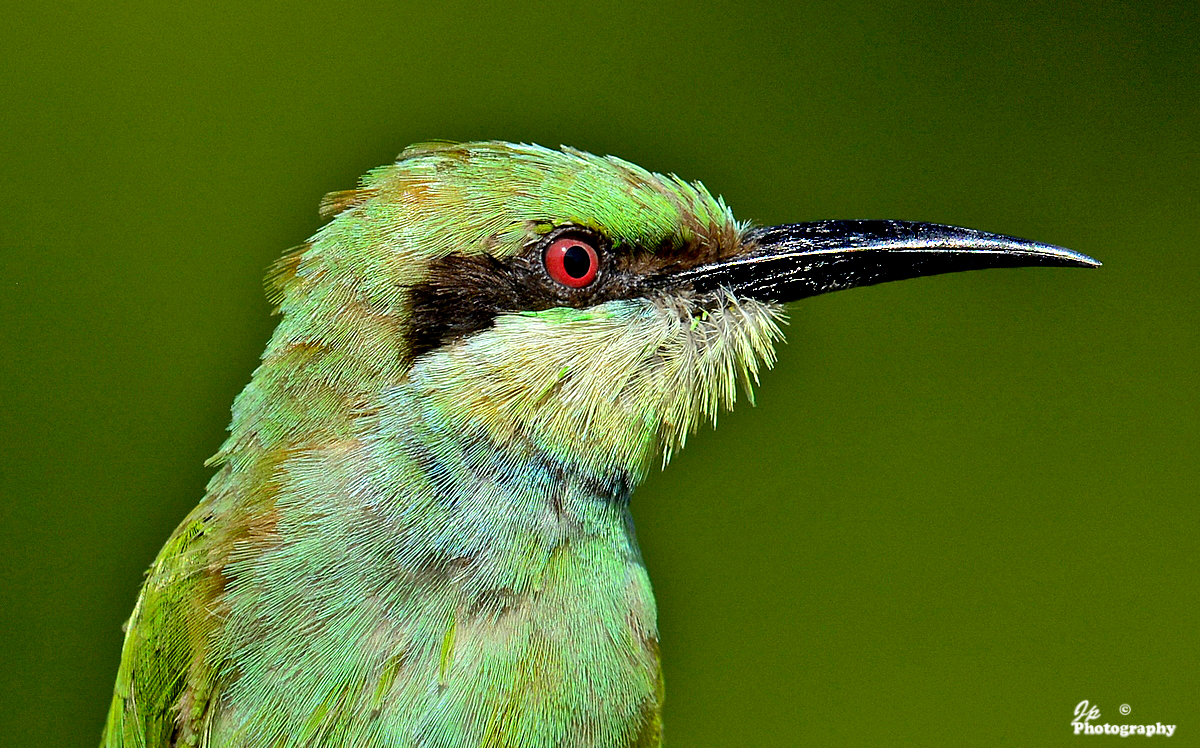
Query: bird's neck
(486,585)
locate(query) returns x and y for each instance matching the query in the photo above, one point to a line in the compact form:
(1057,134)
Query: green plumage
(418,534)
(437,551)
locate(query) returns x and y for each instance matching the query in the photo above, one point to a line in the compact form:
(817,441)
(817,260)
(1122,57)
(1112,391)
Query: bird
(417,533)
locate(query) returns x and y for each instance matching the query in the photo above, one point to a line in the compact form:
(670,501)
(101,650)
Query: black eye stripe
(464,293)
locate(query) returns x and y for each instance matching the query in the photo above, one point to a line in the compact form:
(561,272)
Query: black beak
(786,263)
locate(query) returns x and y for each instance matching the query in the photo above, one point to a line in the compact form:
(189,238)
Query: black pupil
(576,261)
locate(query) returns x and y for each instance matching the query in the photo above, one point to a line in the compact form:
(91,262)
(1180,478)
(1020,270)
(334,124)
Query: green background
(962,505)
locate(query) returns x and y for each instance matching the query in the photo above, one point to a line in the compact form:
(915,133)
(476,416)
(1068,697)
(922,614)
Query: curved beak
(786,263)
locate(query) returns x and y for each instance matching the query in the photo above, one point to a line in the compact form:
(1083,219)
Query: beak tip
(1071,257)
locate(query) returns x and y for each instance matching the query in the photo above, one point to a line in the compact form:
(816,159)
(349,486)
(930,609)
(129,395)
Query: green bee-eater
(418,534)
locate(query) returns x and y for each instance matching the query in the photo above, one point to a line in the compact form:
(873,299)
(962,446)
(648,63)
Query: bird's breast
(573,661)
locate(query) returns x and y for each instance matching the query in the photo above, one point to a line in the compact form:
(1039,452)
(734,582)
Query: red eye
(572,262)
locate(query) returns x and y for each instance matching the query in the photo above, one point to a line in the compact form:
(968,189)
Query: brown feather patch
(341,200)
(282,275)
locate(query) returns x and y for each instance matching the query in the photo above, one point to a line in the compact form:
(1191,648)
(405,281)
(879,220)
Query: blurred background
(962,505)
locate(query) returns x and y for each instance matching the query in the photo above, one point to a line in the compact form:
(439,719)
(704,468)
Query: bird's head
(563,302)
